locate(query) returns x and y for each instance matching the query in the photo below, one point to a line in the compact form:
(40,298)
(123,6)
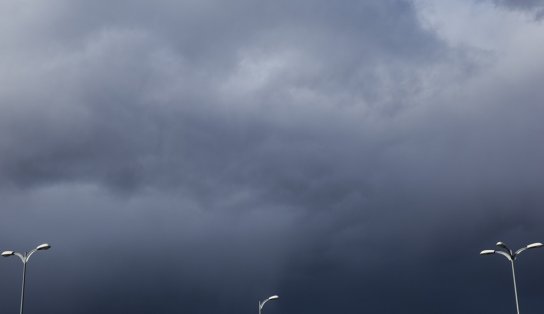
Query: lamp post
(24,258)
(261,304)
(511,256)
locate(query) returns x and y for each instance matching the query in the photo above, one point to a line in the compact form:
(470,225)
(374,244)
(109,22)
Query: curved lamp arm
(489,252)
(508,256)
(41,247)
(530,246)
(261,304)
(11,253)
(505,247)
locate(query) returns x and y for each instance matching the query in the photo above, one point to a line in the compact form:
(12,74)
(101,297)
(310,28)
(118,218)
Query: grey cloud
(125,96)
(534,6)
(198,156)
(527,4)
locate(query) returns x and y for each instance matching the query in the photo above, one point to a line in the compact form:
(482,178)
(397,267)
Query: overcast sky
(197,156)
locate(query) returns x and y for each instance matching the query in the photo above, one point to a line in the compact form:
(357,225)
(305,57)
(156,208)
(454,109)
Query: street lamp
(261,304)
(24,258)
(511,256)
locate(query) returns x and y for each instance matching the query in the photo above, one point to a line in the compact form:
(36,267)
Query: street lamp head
(487,252)
(7,253)
(274,297)
(44,246)
(535,245)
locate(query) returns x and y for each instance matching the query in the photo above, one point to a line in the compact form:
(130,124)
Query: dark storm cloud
(197,156)
(154,90)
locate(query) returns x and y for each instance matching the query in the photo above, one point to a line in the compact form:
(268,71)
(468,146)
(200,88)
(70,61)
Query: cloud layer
(198,156)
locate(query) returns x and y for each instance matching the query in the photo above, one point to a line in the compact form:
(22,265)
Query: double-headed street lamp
(261,304)
(24,258)
(511,256)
